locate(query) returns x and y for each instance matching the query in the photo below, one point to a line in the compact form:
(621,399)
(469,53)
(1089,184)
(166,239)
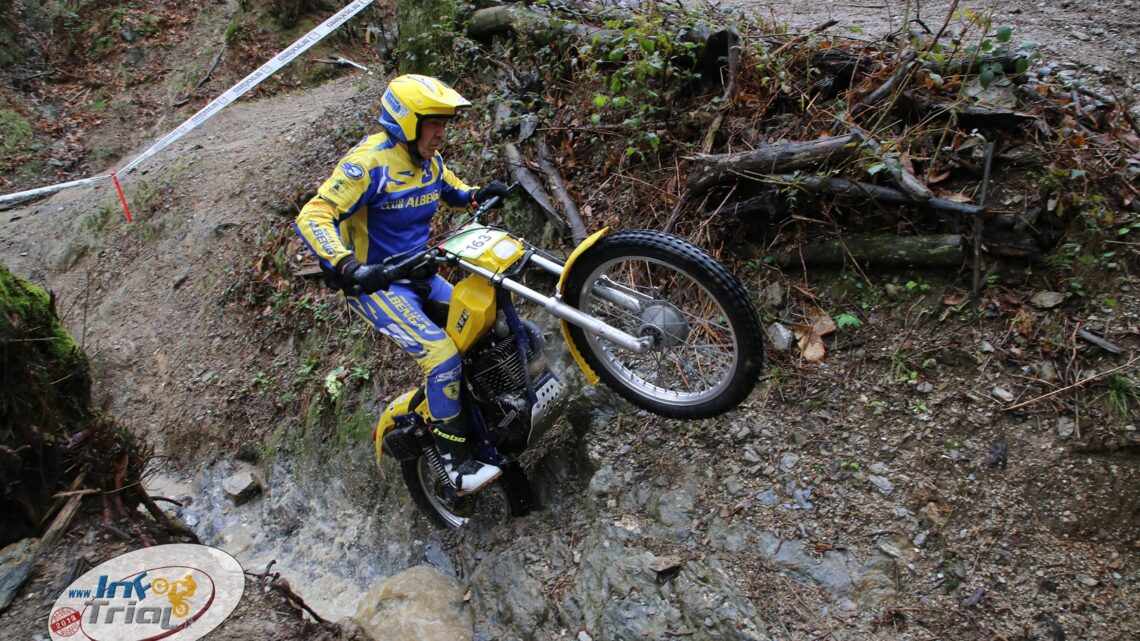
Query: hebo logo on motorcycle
(177,592)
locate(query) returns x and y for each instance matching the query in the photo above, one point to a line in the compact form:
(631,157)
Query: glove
(365,279)
(493,188)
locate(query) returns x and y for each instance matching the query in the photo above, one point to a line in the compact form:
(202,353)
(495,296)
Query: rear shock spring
(436,463)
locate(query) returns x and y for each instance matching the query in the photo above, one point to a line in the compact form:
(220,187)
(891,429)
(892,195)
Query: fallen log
(559,191)
(720,169)
(882,250)
(540,25)
(522,174)
(840,186)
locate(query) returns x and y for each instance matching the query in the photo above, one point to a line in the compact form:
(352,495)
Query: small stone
(1046,300)
(1088,580)
(932,514)
(799,436)
(1082,36)
(774,296)
(584,636)
(780,337)
(789,461)
(877,468)
(985,347)
(881,482)
(751,456)
(925,387)
(1002,394)
(919,539)
(732,485)
(768,497)
(241,487)
(1066,427)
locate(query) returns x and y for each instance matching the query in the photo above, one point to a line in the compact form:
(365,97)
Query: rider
(378,203)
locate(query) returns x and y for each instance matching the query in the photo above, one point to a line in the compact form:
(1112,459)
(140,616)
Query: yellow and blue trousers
(398,314)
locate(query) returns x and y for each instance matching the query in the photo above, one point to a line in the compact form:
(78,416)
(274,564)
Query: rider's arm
(455,192)
(338,198)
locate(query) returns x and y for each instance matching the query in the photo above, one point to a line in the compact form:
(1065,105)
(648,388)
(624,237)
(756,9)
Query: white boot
(467,474)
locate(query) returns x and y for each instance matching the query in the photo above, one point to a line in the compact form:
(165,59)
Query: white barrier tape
(51,189)
(233,93)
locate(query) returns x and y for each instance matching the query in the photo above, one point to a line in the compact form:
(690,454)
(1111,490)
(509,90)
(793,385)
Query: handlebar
(484,208)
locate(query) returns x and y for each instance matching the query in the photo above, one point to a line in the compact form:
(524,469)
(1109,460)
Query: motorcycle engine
(497,379)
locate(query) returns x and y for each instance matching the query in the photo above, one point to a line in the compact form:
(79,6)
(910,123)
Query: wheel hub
(664,324)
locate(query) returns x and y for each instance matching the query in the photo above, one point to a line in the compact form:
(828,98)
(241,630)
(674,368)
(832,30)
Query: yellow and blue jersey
(378,203)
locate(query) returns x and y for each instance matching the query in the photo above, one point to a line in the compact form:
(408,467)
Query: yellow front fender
(591,377)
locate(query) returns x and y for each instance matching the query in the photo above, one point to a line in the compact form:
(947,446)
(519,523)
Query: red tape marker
(122,198)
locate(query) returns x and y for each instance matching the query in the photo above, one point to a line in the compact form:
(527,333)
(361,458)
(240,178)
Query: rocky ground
(895,491)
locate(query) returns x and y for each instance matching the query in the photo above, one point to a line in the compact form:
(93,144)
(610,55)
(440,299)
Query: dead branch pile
(806,140)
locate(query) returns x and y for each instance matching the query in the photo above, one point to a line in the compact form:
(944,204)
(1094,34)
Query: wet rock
(780,337)
(418,604)
(508,593)
(674,508)
(616,590)
(730,537)
(16,563)
(241,487)
(603,482)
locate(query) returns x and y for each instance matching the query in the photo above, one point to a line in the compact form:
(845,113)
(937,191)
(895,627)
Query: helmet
(412,97)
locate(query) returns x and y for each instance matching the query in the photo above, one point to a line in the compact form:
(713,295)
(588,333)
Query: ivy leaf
(600,101)
(1004,32)
(986,77)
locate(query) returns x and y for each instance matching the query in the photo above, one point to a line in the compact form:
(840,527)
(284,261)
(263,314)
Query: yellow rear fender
(583,246)
(413,400)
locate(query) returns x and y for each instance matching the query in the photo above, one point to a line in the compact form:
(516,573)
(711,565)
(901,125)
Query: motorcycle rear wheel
(508,497)
(708,345)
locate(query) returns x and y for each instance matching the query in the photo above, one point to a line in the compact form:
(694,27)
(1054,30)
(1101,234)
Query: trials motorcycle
(654,317)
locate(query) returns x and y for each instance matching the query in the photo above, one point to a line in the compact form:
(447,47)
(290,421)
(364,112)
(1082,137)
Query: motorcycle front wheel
(509,496)
(707,342)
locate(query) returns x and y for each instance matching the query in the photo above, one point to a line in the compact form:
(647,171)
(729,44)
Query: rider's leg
(397,314)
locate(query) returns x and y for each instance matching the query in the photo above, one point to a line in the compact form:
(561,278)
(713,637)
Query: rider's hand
(365,278)
(493,188)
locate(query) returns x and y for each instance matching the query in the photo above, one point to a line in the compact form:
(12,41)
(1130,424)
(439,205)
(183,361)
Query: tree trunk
(881,250)
(539,25)
(719,169)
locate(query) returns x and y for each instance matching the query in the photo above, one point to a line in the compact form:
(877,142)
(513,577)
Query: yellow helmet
(412,97)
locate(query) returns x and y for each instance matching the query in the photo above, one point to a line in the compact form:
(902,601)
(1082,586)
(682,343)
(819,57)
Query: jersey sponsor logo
(451,390)
(414,201)
(353,171)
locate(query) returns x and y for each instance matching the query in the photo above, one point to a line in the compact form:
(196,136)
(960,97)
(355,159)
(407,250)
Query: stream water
(333,529)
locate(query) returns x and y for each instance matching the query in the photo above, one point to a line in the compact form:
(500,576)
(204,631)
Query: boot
(467,474)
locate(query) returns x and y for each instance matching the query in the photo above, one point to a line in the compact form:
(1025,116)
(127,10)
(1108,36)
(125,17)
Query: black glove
(365,279)
(494,188)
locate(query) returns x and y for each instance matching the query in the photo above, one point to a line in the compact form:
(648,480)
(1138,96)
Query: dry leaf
(937,178)
(954,299)
(957,197)
(810,337)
